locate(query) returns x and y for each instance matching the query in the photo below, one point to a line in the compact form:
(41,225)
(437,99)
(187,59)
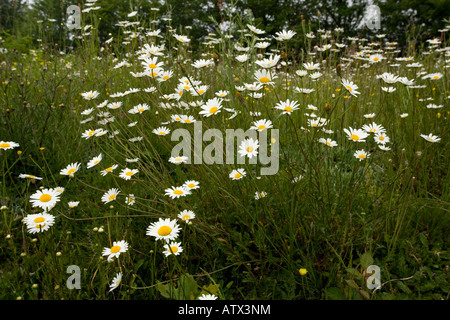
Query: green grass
(390,209)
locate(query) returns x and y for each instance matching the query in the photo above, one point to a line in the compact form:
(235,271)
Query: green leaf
(352,284)
(354,272)
(334,293)
(424,240)
(366,260)
(403,287)
(364,294)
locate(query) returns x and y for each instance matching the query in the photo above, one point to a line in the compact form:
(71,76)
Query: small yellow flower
(303,271)
(438,115)
(41,148)
(19,153)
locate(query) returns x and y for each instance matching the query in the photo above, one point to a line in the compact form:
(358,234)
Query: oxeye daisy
(261,125)
(176,192)
(381,138)
(212,106)
(207,297)
(237,174)
(222,93)
(287,106)
(28,176)
(172,248)
(260,194)
(351,87)
(128,173)
(115,251)
(361,154)
(161,131)
(96,160)
(139,109)
(73,204)
(130,200)
(264,76)
(328,142)
(373,128)
(44,199)
(90,95)
(369,115)
(89,133)
(187,119)
(178,160)
(59,190)
(164,229)
(70,169)
(39,222)
(357,135)
(5,145)
(249,148)
(431,137)
(114,105)
(186,216)
(403,115)
(115,282)
(110,195)
(108,170)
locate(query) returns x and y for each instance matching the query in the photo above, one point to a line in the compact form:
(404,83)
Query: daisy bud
(303,271)
(23,254)
(95,229)
(34,286)
(34,240)
(3,208)
(8,236)
(100,230)
(58,254)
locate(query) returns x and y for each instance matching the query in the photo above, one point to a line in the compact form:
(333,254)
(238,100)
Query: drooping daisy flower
(115,282)
(139,109)
(249,148)
(357,135)
(186,216)
(328,142)
(268,62)
(110,195)
(70,169)
(161,131)
(108,170)
(369,115)
(176,192)
(388,89)
(164,229)
(191,185)
(115,251)
(285,35)
(178,160)
(431,137)
(260,194)
(5,145)
(261,125)
(28,176)
(212,106)
(373,128)
(73,204)
(287,106)
(207,297)
(403,115)
(128,173)
(96,160)
(182,39)
(237,174)
(39,222)
(44,199)
(351,87)
(172,248)
(311,66)
(361,154)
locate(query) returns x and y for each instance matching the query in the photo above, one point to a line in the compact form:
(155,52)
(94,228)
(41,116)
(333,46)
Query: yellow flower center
(115,249)
(112,197)
(191,185)
(71,171)
(201,91)
(187,121)
(213,110)
(328,143)
(264,80)
(5,145)
(166,77)
(349,88)
(178,192)
(261,127)
(250,149)
(174,249)
(152,66)
(376,59)
(178,159)
(91,132)
(288,109)
(39,220)
(164,231)
(162,133)
(41,225)
(381,138)
(354,137)
(362,156)
(109,169)
(436,77)
(45,197)
(237,175)
(141,110)
(129,173)
(186,217)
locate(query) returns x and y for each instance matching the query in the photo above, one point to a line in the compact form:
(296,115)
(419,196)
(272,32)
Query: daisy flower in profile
(222,93)
(5,145)
(431,137)
(73,204)
(110,195)
(39,222)
(268,62)
(287,106)
(369,115)
(44,199)
(260,194)
(164,229)
(89,133)
(403,115)
(373,128)
(96,160)
(261,125)
(183,39)
(115,282)
(186,216)
(130,200)
(357,135)
(264,76)
(90,95)
(114,105)
(285,35)
(255,30)
(115,251)
(59,190)
(128,173)
(108,170)
(351,87)
(383,147)
(178,160)
(433,76)
(207,297)
(187,119)
(161,131)
(28,176)
(211,107)
(237,174)
(172,248)
(176,192)
(70,169)
(328,142)
(388,89)
(311,66)
(249,148)
(191,185)
(139,109)
(381,138)
(361,155)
